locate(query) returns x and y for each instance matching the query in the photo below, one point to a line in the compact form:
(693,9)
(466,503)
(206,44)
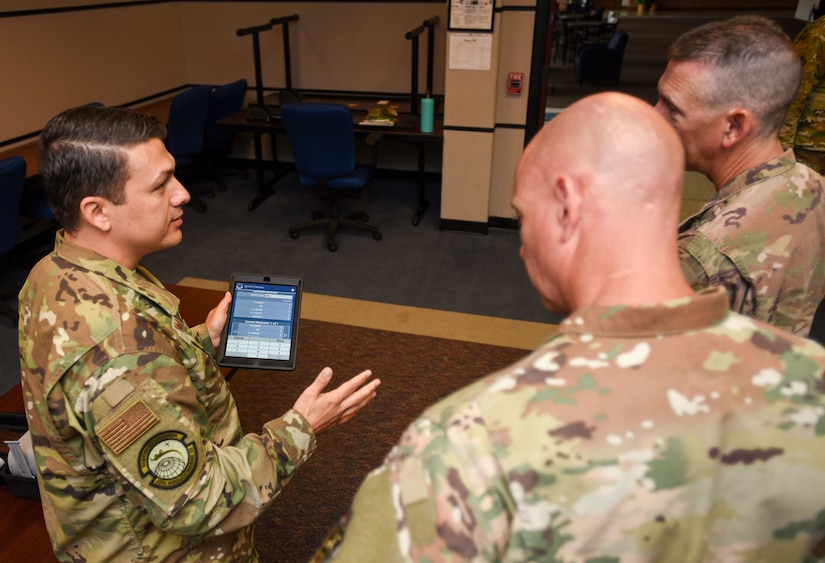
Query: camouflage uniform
(678,432)
(138,443)
(762,238)
(804,127)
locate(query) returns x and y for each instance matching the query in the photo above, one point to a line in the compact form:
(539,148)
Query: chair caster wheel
(294,234)
(377,236)
(332,247)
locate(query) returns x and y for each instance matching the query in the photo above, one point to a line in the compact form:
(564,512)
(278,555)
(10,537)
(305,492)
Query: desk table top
(359,105)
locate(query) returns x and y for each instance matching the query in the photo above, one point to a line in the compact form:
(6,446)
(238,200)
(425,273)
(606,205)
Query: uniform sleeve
(693,270)
(811,50)
(169,455)
(439,496)
(202,334)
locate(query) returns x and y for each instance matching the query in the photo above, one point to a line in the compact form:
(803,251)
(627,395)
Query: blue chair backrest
(618,41)
(225,100)
(12,180)
(186,128)
(322,138)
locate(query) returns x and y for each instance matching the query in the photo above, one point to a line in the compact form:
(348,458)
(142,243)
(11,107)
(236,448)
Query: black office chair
(12,181)
(601,62)
(323,144)
(226,100)
(186,138)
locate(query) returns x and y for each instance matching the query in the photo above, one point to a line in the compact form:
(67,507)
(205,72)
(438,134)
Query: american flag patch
(127,427)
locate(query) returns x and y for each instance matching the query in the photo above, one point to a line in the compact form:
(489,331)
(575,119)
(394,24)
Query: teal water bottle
(427,111)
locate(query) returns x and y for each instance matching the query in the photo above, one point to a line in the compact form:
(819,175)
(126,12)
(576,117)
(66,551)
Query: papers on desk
(378,122)
(384,116)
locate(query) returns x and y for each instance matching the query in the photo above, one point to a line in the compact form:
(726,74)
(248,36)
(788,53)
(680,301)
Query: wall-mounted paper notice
(470,51)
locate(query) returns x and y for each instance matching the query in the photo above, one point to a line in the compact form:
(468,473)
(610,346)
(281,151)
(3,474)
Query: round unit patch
(168,459)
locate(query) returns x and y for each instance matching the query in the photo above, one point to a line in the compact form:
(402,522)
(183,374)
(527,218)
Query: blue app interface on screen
(261,321)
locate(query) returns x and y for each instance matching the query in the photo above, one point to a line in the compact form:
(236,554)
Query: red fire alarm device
(514,80)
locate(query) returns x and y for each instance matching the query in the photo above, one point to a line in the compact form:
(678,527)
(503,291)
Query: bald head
(615,141)
(599,191)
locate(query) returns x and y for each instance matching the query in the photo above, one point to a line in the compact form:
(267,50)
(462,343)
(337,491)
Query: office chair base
(219,176)
(355,220)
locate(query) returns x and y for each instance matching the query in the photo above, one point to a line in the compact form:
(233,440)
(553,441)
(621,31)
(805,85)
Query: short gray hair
(752,64)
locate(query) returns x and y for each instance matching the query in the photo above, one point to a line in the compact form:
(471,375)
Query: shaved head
(617,141)
(599,188)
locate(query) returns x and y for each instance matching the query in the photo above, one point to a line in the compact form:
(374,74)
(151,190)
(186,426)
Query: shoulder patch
(413,481)
(130,425)
(168,459)
(117,391)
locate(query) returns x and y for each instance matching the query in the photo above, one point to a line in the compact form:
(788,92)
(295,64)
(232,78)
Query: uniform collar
(140,279)
(670,317)
(774,167)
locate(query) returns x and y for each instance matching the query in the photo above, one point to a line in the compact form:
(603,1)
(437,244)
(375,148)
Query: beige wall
(121,54)
(56,61)
(334,46)
(475,185)
(517,43)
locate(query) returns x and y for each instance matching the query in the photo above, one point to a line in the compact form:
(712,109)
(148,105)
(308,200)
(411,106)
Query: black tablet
(262,329)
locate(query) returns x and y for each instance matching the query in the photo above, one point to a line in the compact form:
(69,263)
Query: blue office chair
(12,181)
(225,101)
(35,204)
(323,144)
(186,137)
(601,62)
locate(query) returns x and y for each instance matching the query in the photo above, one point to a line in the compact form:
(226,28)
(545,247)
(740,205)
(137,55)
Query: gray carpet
(412,265)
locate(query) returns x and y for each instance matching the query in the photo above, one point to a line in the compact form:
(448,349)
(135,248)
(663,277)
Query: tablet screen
(262,328)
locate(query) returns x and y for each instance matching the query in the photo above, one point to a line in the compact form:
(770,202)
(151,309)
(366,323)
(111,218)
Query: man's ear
(739,123)
(567,194)
(94,212)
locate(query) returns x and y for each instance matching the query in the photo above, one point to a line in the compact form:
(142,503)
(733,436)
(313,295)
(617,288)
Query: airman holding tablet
(139,448)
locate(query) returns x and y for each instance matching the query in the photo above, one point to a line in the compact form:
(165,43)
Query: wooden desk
(22,528)
(359,105)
